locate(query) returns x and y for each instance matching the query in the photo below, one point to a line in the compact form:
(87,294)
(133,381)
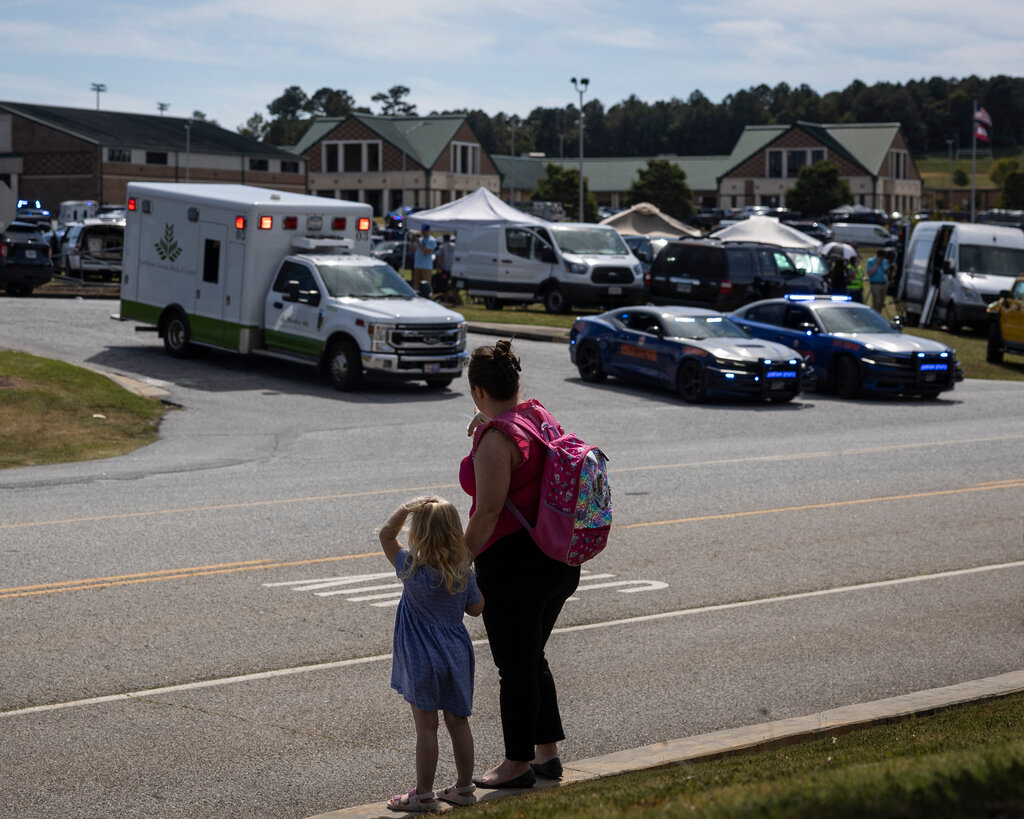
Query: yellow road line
(166,574)
(1012,483)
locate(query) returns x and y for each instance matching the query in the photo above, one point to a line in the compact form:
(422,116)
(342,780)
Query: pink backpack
(575,511)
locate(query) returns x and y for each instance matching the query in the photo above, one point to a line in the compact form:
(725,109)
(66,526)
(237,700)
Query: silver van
(857,234)
(953,271)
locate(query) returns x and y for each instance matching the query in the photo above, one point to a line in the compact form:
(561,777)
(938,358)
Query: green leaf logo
(168,248)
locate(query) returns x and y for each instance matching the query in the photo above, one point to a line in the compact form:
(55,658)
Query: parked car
(706,273)
(856,234)
(819,230)
(647,248)
(1006,325)
(851,347)
(390,251)
(25,261)
(94,247)
(690,350)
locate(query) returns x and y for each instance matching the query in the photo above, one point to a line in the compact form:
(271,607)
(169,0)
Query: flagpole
(974,150)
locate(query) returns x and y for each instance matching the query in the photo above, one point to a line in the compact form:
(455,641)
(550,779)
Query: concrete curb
(750,738)
(534,333)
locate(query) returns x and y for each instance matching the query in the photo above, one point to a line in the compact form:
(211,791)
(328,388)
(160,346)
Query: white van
(558,264)
(857,234)
(953,271)
(76,210)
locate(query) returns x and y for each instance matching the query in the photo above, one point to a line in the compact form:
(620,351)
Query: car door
(1013,317)
(293,315)
(802,331)
(640,351)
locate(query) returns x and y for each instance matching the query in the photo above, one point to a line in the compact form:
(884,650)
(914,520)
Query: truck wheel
(690,385)
(588,362)
(846,378)
(177,336)
(994,353)
(492,303)
(555,301)
(439,383)
(344,366)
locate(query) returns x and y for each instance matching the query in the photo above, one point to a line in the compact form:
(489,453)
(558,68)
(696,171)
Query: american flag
(981,115)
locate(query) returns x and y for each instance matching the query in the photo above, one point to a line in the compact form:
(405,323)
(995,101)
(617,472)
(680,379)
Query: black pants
(524,591)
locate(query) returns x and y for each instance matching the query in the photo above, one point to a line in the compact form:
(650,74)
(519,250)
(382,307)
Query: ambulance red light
(131,203)
(291,222)
(266,222)
(338,223)
(364,225)
(239,223)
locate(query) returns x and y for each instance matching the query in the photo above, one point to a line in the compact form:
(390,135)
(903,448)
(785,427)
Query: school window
(795,160)
(775,164)
(331,157)
(289,166)
(465,158)
(258,164)
(352,156)
(156,157)
(817,155)
(119,155)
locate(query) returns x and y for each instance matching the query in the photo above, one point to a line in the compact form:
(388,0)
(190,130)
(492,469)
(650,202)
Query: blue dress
(432,657)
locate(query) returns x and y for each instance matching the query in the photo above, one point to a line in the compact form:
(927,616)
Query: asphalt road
(203,627)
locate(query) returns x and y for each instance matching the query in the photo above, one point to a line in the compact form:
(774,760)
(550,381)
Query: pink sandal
(458,796)
(413,802)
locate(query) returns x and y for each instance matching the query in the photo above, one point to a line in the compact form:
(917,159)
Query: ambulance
(286,275)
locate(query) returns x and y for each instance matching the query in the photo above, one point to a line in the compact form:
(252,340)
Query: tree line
(931,111)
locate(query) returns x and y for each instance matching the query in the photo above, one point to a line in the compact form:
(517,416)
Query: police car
(852,348)
(691,350)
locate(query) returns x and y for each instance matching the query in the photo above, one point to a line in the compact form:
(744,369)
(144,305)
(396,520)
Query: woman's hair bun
(507,360)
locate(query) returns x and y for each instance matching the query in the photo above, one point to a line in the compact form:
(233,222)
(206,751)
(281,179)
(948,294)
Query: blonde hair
(436,540)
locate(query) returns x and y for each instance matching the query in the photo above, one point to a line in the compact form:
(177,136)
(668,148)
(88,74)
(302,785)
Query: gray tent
(644,219)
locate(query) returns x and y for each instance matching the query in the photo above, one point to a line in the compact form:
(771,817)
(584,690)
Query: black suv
(723,277)
(25,261)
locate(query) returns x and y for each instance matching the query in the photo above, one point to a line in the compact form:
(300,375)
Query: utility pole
(580,87)
(99,88)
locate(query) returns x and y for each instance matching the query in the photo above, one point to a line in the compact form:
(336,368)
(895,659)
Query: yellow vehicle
(1006,330)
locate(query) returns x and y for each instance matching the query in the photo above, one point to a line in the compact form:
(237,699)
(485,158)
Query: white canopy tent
(481,208)
(645,219)
(767,230)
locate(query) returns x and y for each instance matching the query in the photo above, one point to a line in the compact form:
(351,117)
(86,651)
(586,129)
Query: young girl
(433,660)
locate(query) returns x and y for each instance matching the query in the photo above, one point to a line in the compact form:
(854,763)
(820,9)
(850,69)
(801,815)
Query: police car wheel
(690,384)
(588,362)
(846,378)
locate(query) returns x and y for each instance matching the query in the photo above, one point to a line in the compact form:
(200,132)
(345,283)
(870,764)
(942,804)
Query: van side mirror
(547,255)
(291,291)
(808,327)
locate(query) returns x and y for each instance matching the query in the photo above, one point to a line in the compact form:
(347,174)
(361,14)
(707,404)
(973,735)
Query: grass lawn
(964,762)
(51,412)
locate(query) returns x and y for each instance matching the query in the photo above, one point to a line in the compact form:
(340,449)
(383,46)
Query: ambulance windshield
(378,281)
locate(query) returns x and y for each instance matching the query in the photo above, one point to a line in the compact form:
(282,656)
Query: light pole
(949,142)
(580,87)
(188,150)
(514,121)
(99,88)
(405,232)
(163,106)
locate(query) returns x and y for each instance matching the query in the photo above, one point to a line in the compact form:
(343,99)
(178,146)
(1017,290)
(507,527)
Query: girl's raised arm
(389,533)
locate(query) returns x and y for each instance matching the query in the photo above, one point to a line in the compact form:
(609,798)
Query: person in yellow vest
(855,279)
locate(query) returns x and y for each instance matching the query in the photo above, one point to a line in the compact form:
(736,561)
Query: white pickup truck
(287,275)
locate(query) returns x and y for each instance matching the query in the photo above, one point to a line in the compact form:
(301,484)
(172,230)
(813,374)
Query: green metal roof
(422,139)
(144,131)
(868,143)
(610,173)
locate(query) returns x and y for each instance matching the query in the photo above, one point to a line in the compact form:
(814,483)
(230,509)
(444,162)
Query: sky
(231,58)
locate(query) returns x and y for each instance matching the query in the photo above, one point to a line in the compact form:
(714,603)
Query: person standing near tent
(878,279)
(423,246)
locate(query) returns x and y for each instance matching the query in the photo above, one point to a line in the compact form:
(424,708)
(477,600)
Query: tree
(1002,168)
(256,127)
(818,189)
(290,105)
(960,178)
(199,116)
(331,102)
(663,184)
(392,102)
(1013,190)
(563,185)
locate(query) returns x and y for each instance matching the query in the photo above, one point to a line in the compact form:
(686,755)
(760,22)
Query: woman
(524,588)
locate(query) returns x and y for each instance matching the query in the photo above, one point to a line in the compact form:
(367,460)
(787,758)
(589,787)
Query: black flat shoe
(524,780)
(552,769)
